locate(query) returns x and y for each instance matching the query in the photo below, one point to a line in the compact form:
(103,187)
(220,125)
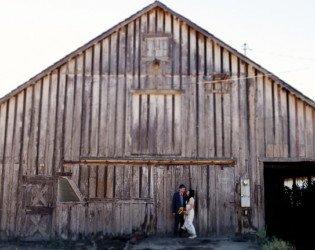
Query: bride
(189,214)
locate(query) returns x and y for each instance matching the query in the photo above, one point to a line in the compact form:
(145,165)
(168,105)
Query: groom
(177,203)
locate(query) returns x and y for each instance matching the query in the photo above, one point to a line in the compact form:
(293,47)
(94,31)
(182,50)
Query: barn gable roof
(150,7)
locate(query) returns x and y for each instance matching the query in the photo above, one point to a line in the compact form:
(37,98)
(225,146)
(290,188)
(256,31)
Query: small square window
(156,47)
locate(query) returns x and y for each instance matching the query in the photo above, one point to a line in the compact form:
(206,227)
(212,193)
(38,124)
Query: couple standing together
(183,211)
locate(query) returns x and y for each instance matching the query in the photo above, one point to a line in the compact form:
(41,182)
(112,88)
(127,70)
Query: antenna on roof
(245,47)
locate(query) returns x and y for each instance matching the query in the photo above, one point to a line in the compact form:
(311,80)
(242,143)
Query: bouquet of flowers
(180,210)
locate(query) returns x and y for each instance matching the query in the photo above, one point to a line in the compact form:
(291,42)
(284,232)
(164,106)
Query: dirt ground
(198,243)
(152,242)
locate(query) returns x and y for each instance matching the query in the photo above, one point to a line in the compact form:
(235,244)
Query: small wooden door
(37,207)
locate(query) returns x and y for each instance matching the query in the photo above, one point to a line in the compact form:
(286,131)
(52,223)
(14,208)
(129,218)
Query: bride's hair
(191,193)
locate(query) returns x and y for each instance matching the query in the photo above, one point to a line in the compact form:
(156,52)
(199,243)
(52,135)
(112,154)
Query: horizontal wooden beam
(297,160)
(156,91)
(153,161)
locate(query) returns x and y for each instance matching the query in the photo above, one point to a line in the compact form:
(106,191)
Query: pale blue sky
(37,33)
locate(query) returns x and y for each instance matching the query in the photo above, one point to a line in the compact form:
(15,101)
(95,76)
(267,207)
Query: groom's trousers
(178,223)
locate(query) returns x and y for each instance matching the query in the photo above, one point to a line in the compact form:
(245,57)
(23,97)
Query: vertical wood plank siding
(109,101)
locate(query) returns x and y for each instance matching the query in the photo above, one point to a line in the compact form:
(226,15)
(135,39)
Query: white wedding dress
(188,225)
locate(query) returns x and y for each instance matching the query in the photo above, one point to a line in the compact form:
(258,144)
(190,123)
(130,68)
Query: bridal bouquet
(180,210)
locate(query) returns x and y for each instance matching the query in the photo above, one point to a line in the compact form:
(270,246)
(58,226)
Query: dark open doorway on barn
(290,202)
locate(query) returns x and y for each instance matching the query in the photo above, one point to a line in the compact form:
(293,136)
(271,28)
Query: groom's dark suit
(177,203)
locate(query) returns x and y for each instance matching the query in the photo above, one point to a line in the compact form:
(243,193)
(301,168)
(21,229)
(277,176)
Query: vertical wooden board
(3,115)
(77,111)
(176,44)
(130,48)
(69,95)
(269,118)
(143,132)
(193,57)
(105,56)
(292,125)
(110,181)
(209,120)
(168,192)
(168,124)
(209,57)
(84,181)
(33,141)
(160,123)
(203,201)
(301,128)
(152,124)
(97,63)
(59,150)
(127,181)
(8,166)
(227,108)
(135,124)
(103,116)
(116,226)
(144,27)
(50,142)
(137,53)
(218,125)
(86,115)
(100,189)
(152,21)
(126,219)
(15,192)
(160,226)
(108,218)
(119,182)
(88,65)
(184,116)
(95,105)
(193,119)
(310,150)
(134,192)
(259,111)
(177,131)
(159,21)
(111,115)
(235,106)
(82,221)
(252,140)
(226,200)
(243,117)
(121,112)
(93,181)
(43,124)
(201,95)
(284,121)
(212,200)
(184,49)
(145,182)
(168,29)
(276,121)
(260,148)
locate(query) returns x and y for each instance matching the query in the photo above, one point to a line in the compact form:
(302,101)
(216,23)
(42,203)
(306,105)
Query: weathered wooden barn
(98,142)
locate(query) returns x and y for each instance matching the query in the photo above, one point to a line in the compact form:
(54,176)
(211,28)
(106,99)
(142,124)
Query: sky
(34,34)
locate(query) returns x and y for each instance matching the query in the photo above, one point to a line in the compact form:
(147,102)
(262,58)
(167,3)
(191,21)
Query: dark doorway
(290,202)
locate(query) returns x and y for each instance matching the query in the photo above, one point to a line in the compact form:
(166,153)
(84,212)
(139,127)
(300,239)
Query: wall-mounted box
(245,192)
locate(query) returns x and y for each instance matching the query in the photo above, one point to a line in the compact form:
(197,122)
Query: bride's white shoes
(192,236)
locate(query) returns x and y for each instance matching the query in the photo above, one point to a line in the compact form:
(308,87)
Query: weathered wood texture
(139,198)
(125,95)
